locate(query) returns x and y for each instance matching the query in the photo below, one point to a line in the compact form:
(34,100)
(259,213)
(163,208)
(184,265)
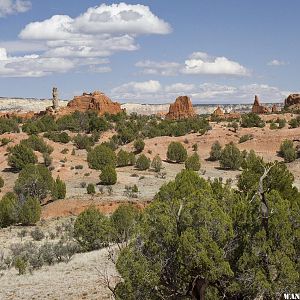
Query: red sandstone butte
(257,108)
(182,108)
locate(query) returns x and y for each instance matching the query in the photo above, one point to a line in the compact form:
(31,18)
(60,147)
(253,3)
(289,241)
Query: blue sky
(215,51)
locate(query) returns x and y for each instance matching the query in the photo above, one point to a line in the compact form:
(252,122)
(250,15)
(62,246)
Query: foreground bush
(231,157)
(91,189)
(101,156)
(185,235)
(193,162)
(176,152)
(108,175)
(288,151)
(59,137)
(20,156)
(91,229)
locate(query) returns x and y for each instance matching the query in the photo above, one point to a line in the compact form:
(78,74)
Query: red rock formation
(292,101)
(274,109)
(257,108)
(182,108)
(218,112)
(93,101)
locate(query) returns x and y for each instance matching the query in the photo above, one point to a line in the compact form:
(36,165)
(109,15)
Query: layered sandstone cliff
(182,108)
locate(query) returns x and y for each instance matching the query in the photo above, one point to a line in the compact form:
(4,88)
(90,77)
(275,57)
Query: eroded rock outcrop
(218,112)
(257,108)
(292,101)
(96,101)
(182,108)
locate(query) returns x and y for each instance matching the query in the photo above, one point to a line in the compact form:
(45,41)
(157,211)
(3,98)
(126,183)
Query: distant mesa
(257,108)
(182,108)
(292,102)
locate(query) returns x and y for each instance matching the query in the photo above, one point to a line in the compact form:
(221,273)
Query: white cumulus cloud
(202,63)
(98,32)
(163,68)
(10,7)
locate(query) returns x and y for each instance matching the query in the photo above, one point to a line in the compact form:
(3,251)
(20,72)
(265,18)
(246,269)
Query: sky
(215,51)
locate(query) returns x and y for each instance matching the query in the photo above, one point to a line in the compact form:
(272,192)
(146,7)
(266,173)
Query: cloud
(201,93)
(202,63)
(163,68)
(276,63)
(11,7)
(97,33)
(197,63)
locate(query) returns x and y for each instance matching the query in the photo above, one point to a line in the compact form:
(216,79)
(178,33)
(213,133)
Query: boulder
(292,101)
(182,108)
(257,108)
(94,101)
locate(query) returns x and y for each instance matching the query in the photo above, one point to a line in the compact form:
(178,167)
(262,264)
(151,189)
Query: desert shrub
(281,123)
(245,138)
(176,152)
(20,156)
(73,151)
(36,143)
(91,229)
(5,141)
(252,120)
(21,265)
(1,182)
(64,251)
(273,125)
(83,141)
(294,123)
(101,156)
(288,151)
(34,181)
(142,163)
(59,189)
(82,184)
(97,124)
(125,158)
(37,234)
(156,163)
(91,189)
(124,221)
(112,144)
(215,151)
(58,137)
(78,167)
(8,125)
(234,126)
(108,175)
(8,210)
(30,211)
(139,145)
(47,159)
(43,124)
(193,162)
(231,157)
(195,147)
(131,191)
